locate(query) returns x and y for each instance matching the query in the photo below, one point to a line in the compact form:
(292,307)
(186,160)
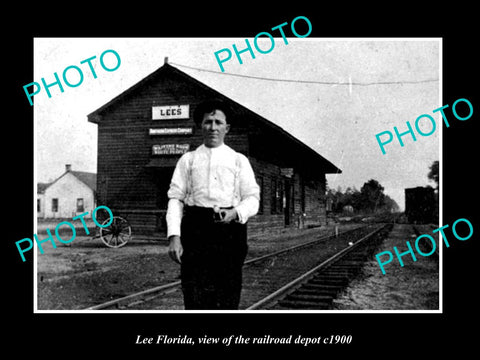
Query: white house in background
(71,194)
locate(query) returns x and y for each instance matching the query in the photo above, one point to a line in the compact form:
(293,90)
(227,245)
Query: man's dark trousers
(212,261)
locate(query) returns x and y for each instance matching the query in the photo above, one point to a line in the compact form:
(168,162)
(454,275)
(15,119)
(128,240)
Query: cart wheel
(117,233)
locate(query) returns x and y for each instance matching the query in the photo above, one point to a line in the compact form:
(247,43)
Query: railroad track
(318,287)
(263,275)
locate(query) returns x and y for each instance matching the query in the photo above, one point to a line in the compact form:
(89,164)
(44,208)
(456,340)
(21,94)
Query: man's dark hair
(208,107)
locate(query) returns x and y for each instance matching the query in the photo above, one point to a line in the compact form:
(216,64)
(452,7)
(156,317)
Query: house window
(80,207)
(38,206)
(55,205)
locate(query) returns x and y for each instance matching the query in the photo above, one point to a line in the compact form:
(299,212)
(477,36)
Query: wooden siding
(272,217)
(125,149)
(125,182)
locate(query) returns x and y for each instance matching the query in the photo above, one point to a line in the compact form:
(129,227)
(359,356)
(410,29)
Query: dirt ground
(415,286)
(85,273)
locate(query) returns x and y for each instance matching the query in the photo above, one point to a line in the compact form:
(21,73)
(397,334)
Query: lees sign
(170,112)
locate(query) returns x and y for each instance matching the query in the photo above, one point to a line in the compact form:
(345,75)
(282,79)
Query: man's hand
(175,249)
(228,215)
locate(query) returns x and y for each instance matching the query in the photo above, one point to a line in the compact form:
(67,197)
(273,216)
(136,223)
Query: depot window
(260,184)
(276,204)
(273,197)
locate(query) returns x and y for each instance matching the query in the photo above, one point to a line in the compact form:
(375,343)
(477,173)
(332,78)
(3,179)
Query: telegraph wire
(350,83)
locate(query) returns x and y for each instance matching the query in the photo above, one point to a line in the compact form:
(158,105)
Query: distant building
(71,194)
(421,205)
(348,209)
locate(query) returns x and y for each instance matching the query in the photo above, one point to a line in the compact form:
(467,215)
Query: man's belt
(206,213)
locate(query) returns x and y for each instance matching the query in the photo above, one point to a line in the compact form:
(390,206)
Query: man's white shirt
(209,177)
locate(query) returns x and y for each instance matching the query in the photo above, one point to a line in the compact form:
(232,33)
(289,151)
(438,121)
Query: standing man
(212,194)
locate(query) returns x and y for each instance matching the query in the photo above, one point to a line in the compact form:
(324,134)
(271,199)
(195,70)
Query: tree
(370,198)
(372,195)
(390,204)
(434,173)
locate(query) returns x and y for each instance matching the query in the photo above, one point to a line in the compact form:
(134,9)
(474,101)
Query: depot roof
(167,69)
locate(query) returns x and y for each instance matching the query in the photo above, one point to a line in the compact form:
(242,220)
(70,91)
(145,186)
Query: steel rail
(162,288)
(299,246)
(292,285)
(157,289)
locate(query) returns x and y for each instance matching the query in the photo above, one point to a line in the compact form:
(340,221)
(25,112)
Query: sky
(358,88)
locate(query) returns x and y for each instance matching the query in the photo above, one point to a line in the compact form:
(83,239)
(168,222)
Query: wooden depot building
(143,131)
